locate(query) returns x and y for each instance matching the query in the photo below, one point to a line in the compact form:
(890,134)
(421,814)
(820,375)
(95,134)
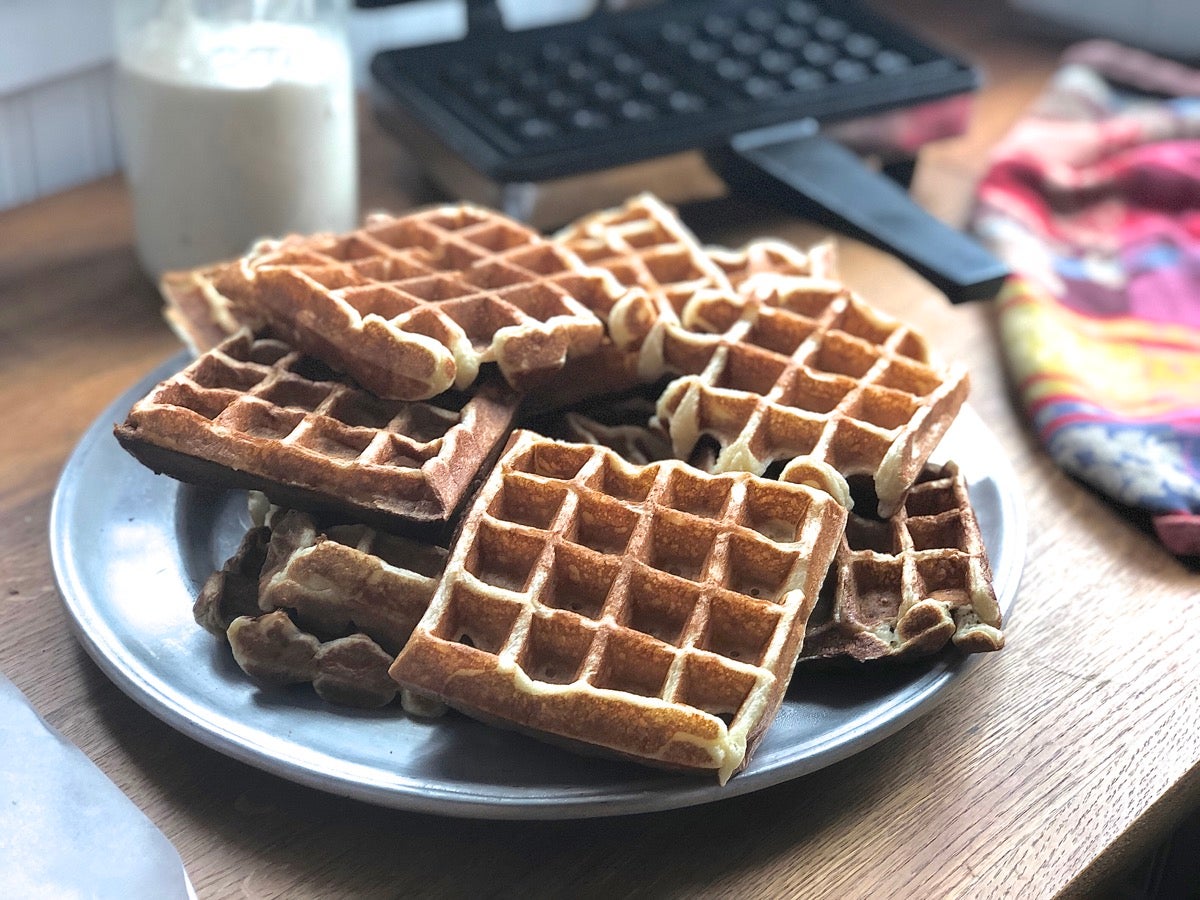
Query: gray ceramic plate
(131,550)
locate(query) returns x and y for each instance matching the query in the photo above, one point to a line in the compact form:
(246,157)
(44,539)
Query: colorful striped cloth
(1094,201)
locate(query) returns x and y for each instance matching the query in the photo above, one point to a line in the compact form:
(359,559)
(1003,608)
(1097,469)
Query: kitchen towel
(1093,199)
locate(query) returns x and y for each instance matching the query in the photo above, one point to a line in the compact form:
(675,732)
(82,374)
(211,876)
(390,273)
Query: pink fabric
(1094,200)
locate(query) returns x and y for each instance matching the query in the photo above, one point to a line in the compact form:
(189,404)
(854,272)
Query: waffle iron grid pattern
(655,610)
(806,371)
(412,306)
(583,83)
(265,411)
(607,90)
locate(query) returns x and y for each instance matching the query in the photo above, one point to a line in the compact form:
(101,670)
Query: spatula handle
(822,180)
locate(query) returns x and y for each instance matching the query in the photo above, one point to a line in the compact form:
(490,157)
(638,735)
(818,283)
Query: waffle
(349,578)
(648,249)
(233,591)
(628,426)
(769,257)
(349,671)
(628,431)
(413,306)
(908,586)
(653,612)
(254,413)
(200,315)
(608,371)
(793,369)
(643,244)
(331,608)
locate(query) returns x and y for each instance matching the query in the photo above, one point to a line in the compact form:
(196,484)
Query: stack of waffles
(610,487)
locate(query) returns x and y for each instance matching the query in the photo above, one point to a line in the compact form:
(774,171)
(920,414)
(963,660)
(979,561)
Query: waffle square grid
(654,611)
(645,245)
(414,305)
(255,413)
(907,586)
(794,370)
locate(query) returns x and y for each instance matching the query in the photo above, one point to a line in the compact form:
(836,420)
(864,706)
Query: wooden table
(1048,768)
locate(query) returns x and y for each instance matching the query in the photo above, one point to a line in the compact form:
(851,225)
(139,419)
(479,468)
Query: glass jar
(237,122)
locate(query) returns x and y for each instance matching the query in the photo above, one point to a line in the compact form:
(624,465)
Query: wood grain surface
(1045,771)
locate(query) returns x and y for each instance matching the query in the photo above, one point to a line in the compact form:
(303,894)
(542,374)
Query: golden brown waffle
(299,605)
(254,413)
(200,315)
(643,442)
(653,611)
(796,370)
(413,306)
(628,431)
(607,371)
(910,585)
(645,246)
(769,257)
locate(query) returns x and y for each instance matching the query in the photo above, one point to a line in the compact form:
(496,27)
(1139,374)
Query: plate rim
(403,792)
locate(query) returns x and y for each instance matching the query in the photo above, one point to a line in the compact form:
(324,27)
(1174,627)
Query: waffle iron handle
(821,180)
